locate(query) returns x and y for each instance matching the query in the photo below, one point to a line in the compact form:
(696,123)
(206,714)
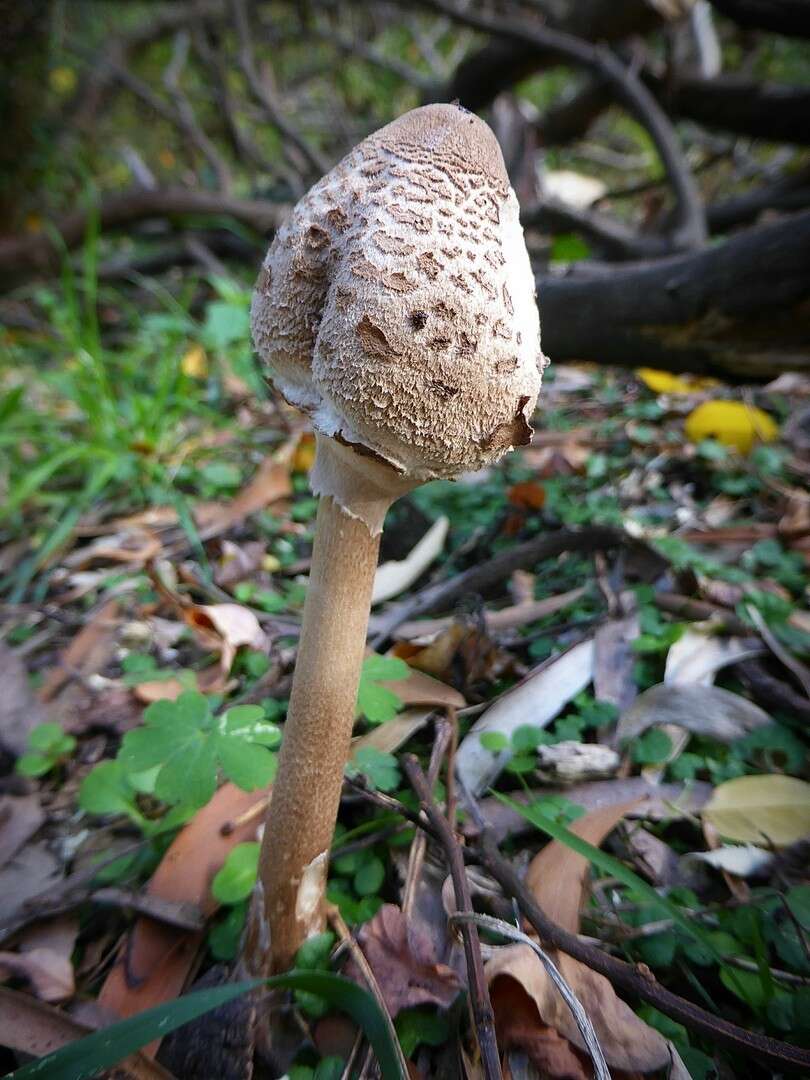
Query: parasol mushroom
(396,308)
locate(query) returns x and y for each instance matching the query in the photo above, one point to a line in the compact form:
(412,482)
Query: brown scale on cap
(388,269)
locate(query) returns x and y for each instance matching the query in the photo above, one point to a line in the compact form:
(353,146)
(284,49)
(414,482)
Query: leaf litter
(557,669)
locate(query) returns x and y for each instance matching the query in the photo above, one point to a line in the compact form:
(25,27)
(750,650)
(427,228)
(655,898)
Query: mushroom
(396,308)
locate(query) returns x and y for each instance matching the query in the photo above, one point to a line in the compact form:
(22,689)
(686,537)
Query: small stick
(586,1029)
(416,856)
(341,929)
(479,993)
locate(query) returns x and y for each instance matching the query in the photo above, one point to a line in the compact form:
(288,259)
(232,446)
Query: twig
(690,228)
(308,159)
(586,1029)
(481,577)
(479,994)
(357,954)
(416,855)
(779,651)
(777,1054)
(185,111)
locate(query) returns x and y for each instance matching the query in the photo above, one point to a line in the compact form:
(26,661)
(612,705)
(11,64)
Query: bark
(790,17)
(739,311)
(23,256)
(500,64)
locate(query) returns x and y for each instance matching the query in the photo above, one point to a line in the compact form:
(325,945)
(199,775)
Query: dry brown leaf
(401,956)
(557,875)
(393,734)
(133,545)
(87,653)
(32,870)
(49,973)
(31,1027)
(508,618)
(517,1027)
(270,482)
(657,802)
(155,962)
(422,689)
(627,1042)
(20,712)
(19,820)
(615,661)
(238,561)
(225,628)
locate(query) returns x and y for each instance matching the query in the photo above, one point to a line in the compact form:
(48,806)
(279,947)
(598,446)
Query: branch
(479,994)
(306,158)
(689,229)
(21,256)
(789,17)
(615,239)
(626,977)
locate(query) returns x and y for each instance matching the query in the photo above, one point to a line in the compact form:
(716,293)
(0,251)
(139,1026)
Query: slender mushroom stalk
(396,308)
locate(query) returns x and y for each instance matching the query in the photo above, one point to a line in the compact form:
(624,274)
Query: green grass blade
(610,865)
(38,475)
(86,1057)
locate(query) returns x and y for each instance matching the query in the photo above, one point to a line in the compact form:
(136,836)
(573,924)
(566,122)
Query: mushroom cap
(396,304)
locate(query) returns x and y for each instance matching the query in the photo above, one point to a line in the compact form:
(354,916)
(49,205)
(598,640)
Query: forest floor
(607,635)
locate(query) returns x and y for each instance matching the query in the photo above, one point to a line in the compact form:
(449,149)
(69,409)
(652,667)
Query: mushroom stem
(288,902)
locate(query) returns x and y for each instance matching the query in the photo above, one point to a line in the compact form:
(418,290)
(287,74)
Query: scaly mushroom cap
(396,305)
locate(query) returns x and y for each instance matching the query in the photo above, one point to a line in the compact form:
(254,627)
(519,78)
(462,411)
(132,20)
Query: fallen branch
(521,557)
(21,256)
(688,222)
(479,993)
(630,979)
(734,311)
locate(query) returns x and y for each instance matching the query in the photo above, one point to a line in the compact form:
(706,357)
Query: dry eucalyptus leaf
(627,1042)
(615,661)
(401,956)
(697,656)
(19,820)
(49,973)
(702,710)
(771,809)
(393,578)
(557,875)
(393,734)
(536,700)
(742,860)
(225,628)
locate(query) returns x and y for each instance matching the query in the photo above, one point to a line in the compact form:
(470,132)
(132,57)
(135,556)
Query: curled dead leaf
(402,958)
(627,1042)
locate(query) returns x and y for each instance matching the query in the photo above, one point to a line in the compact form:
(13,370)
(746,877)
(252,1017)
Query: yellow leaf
(304,457)
(732,423)
(664,382)
(63,80)
(773,809)
(195,362)
(167,158)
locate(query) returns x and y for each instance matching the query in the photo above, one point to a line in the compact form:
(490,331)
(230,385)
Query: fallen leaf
(401,956)
(155,960)
(665,382)
(529,495)
(698,655)
(536,700)
(270,482)
(393,578)
(702,710)
(238,561)
(134,545)
(557,876)
(627,1042)
(656,802)
(615,661)
(225,628)
(29,1026)
(195,362)
(733,423)
(743,860)
(771,809)
(33,870)
(20,817)
(20,712)
(87,653)
(422,689)
(393,734)
(49,973)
